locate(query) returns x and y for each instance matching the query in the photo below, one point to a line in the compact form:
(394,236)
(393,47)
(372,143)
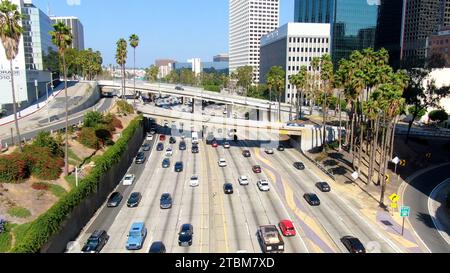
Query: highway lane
(416,196)
(336,216)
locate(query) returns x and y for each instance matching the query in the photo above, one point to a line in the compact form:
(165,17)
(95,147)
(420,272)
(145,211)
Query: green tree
(438,116)
(51,61)
(121,59)
(276,80)
(134,42)
(244,76)
(151,73)
(10,34)
(299,80)
(421,95)
(327,84)
(45,140)
(92,119)
(62,38)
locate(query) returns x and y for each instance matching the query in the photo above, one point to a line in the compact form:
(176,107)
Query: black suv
(281,148)
(195,149)
(182,145)
(312,199)
(299,165)
(172,140)
(140,158)
(179,167)
(96,242)
(323,186)
(353,244)
(114,200)
(185,235)
(246,153)
(228,188)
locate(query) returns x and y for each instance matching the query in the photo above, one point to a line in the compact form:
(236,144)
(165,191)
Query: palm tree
(299,81)
(62,38)
(276,79)
(121,59)
(327,79)
(10,34)
(134,42)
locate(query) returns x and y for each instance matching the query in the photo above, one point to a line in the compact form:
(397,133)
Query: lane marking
(437,224)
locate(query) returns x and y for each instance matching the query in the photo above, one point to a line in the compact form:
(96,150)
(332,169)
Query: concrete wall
(312,137)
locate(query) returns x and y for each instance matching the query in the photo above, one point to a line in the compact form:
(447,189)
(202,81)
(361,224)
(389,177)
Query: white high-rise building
(76,27)
(249,21)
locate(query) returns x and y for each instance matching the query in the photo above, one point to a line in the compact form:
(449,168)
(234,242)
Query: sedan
(146,147)
(228,188)
(353,244)
(323,187)
(222,162)
(134,200)
(157,247)
(179,167)
(256,169)
(246,153)
(162,138)
(166,163)
(287,228)
(182,145)
(169,152)
(166,201)
(215,144)
(281,148)
(114,200)
(140,158)
(149,137)
(172,140)
(195,149)
(194,182)
(243,180)
(299,166)
(185,235)
(128,179)
(263,185)
(312,199)
(160,147)
(269,151)
(227,145)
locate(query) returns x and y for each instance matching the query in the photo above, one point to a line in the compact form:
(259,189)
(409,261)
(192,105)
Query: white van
(194,138)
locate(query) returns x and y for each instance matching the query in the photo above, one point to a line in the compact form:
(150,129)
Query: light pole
(47,85)
(37,92)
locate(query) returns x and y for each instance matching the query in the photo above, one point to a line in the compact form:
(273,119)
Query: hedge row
(49,223)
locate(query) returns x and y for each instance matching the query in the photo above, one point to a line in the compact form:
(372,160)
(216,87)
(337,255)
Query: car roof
(97,233)
(137,226)
(287,223)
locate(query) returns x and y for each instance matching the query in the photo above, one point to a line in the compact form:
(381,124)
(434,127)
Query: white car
(222,162)
(269,151)
(263,185)
(169,152)
(128,179)
(243,180)
(194,182)
(166,123)
(149,137)
(227,145)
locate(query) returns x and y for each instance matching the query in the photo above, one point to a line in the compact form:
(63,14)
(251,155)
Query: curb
(432,209)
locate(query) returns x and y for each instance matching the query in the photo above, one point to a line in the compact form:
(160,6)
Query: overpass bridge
(264,109)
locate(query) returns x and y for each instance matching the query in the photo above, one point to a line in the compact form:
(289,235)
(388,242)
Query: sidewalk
(42,102)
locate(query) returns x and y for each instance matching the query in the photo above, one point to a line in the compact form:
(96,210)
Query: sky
(175,29)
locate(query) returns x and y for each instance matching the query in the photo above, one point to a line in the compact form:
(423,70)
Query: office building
(221,58)
(353,22)
(165,66)
(196,65)
(422,18)
(249,20)
(446,11)
(29,64)
(76,28)
(292,46)
(439,44)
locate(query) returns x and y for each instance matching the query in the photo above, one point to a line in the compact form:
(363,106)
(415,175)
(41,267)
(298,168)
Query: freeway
(228,223)
(417,194)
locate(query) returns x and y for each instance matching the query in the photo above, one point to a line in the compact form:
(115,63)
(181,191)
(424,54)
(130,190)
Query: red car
(256,169)
(162,138)
(215,144)
(287,228)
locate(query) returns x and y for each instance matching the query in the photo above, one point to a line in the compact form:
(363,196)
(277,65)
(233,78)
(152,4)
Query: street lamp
(47,85)
(37,92)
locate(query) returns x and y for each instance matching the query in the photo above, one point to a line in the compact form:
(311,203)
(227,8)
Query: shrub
(213,88)
(39,231)
(43,164)
(103,134)
(45,140)
(14,168)
(438,116)
(92,119)
(40,186)
(124,107)
(88,138)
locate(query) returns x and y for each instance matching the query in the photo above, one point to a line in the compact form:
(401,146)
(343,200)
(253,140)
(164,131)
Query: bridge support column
(193,106)
(229,108)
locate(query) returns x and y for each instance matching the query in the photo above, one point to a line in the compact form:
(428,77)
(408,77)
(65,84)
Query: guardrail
(318,165)
(427,133)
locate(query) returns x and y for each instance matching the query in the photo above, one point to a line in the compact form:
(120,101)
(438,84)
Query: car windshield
(92,242)
(128,177)
(194,178)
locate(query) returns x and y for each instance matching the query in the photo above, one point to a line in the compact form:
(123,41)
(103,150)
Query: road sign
(404,211)
(394,198)
(428,155)
(403,163)
(396,160)
(394,205)
(387,177)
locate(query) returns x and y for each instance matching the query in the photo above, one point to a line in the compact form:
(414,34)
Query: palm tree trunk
(324,110)
(134,74)
(393,137)
(279,107)
(361,147)
(301,105)
(383,146)
(16,121)
(385,165)
(373,150)
(340,123)
(66,150)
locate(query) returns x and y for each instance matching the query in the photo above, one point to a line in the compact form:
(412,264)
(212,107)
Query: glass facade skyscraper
(353,22)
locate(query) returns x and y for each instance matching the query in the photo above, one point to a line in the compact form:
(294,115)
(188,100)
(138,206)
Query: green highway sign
(404,211)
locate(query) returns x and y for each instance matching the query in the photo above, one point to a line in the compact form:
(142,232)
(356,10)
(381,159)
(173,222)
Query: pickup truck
(270,239)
